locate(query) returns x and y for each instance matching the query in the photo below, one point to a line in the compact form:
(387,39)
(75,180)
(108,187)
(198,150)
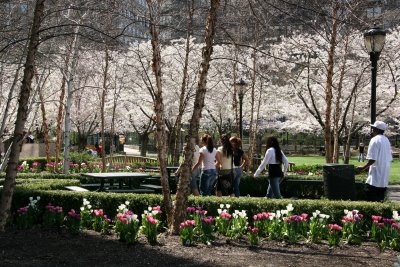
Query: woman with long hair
(207,162)
(225,168)
(240,161)
(274,158)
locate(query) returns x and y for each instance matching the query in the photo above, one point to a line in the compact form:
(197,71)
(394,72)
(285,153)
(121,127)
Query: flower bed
(289,224)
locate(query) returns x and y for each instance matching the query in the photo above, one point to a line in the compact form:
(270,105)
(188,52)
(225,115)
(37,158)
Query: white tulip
(289,207)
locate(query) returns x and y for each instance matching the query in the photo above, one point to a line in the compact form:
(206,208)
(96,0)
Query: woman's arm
(218,159)
(285,164)
(245,161)
(266,160)
(200,161)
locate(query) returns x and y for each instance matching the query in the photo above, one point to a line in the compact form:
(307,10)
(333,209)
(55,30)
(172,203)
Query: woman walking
(225,168)
(240,161)
(274,158)
(207,162)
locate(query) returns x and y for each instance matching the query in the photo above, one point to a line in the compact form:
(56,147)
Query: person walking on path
(225,168)
(274,158)
(207,163)
(361,152)
(379,156)
(194,182)
(240,161)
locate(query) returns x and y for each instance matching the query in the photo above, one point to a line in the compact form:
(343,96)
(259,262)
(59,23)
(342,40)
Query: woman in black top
(274,158)
(240,161)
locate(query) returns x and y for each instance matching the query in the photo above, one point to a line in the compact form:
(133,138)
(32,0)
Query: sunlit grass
(311,160)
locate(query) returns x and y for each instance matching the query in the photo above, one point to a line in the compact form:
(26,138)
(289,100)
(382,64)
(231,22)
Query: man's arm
(366,166)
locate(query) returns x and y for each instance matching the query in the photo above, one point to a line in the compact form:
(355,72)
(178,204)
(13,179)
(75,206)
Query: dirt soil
(37,247)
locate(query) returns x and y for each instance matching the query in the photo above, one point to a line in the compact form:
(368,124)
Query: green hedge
(315,168)
(51,191)
(43,175)
(293,186)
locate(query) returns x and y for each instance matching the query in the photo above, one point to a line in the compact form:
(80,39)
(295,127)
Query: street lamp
(241,86)
(374,40)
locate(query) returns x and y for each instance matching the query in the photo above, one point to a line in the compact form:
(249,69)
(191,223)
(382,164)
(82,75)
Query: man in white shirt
(379,157)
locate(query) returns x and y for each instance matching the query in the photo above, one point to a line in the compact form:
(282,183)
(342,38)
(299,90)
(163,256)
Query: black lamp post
(374,40)
(241,86)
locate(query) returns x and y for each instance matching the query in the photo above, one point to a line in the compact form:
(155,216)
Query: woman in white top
(225,168)
(207,162)
(274,157)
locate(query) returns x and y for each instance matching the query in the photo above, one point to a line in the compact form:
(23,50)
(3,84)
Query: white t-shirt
(270,158)
(208,158)
(196,155)
(227,162)
(379,149)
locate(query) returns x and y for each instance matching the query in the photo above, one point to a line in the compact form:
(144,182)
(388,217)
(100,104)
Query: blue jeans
(236,182)
(207,182)
(194,183)
(273,190)
(361,157)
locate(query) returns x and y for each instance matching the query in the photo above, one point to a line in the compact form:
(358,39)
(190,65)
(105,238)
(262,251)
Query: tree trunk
(144,141)
(70,87)
(347,148)
(252,102)
(11,171)
(102,106)
(182,100)
(183,185)
(61,104)
(338,106)
(10,97)
(159,108)
(45,126)
(328,87)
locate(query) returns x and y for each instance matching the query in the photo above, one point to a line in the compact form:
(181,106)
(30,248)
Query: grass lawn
(311,160)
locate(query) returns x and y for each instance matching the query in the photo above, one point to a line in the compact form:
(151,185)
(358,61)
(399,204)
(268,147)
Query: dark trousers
(374,193)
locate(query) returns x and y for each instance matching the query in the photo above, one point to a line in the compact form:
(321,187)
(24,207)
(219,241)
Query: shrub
(82,157)
(306,169)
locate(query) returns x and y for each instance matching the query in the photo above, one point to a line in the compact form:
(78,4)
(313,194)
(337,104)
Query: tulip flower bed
(287,225)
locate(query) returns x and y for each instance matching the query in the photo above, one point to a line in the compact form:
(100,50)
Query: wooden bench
(76,188)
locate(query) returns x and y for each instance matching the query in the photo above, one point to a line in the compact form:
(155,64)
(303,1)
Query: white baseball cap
(379,125)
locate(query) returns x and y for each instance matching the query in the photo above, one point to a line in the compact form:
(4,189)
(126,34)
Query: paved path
(131,150)
(393,193)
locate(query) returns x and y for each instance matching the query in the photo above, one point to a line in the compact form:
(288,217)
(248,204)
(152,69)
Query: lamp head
(374,39)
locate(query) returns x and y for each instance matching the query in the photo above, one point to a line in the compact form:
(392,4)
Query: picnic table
(120,176)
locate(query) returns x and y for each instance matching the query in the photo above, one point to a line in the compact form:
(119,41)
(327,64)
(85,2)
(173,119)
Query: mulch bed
(39,247)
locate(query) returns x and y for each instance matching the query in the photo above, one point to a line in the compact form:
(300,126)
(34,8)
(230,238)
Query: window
(374,12)
(24,8)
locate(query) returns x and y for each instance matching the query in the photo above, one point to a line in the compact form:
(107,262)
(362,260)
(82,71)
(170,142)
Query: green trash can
(339,181)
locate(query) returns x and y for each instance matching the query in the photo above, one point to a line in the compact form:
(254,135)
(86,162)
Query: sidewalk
(131,150)
(393,193)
